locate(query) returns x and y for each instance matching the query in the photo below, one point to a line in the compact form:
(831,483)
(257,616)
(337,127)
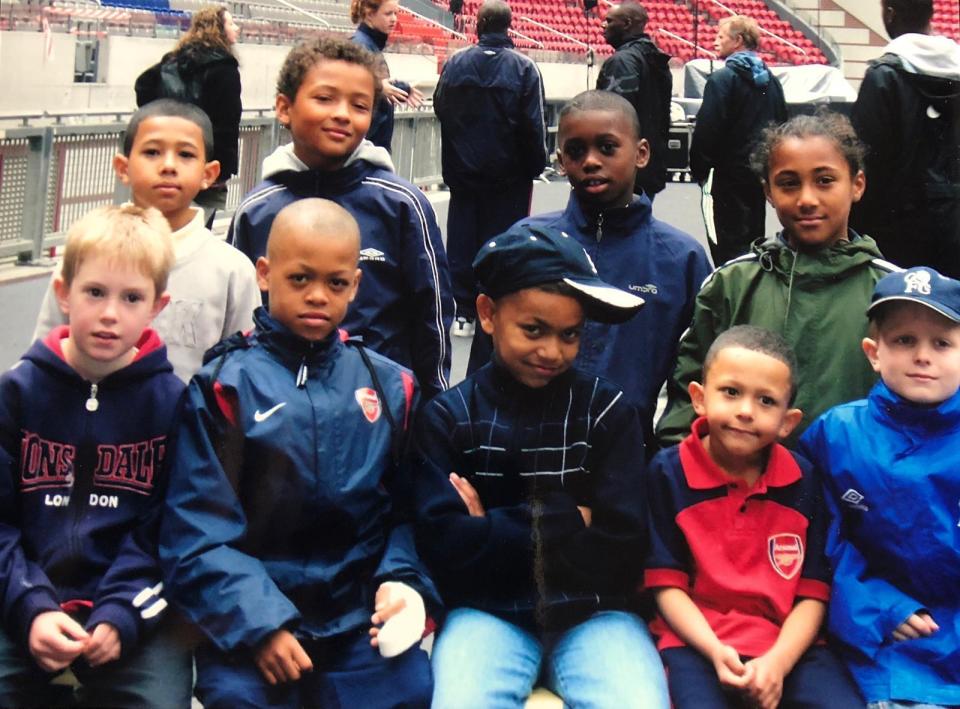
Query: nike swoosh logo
(260,418)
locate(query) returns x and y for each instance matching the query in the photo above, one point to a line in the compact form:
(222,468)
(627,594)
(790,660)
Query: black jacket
(381,126)
(219,97)
(911,125)
(735,109)
(640,73)
(489,100)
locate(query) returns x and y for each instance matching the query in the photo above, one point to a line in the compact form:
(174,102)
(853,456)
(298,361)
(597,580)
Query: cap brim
(945,312)
(607,303)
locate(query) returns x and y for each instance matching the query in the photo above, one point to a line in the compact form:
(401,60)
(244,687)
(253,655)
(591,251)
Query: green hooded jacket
(816,300)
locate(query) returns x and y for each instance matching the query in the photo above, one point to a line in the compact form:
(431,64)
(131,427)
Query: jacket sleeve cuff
(121,618)
(39,601)
(817,590)
(898,615)
(666,578)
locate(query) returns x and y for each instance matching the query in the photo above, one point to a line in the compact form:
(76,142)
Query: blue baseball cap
(919,285)
(529,256)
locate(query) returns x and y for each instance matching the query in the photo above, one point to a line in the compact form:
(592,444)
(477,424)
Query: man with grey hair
(489,100)
(640,72)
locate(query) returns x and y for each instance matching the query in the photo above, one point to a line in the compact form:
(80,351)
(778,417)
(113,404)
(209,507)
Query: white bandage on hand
(401,631)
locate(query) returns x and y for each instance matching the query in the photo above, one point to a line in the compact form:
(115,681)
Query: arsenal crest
(786,554)
(369,403)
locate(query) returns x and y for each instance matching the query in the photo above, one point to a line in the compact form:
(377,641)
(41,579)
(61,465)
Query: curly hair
(207,29)
(834,127)
(306,55)
(360,8)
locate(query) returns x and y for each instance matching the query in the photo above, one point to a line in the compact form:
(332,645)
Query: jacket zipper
(79,487)
(599,226)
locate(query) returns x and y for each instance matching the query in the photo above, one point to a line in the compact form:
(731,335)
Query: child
(283,530)
(213,289)
(325,94)
(809,283)
(600,149)
(890,464)
(737,537)
(84,418)
(529,496)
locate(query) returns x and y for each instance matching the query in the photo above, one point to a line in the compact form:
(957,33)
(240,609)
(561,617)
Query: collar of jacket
(498,385)
(151,359)
(379,38)
(642,41)
(620,221)
(749,65)
(831,263)
(292,350)
(495,39)
(903,414)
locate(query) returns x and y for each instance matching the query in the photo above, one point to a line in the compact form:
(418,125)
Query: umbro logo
(854,500)
(372,254)
(648,288)
(259,417)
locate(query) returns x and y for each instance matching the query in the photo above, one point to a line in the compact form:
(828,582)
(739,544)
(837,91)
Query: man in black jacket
(739,100)
(489,100)
(639,72)
(908,114)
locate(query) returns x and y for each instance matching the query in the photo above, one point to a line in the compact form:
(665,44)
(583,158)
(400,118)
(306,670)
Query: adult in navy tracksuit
(375,20)
(283,514)
(740,99)
(403,309)
(489,100)
(81,484)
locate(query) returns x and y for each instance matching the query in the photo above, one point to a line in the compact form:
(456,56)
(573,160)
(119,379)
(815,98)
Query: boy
(326,91)
(529,496)
(84,418)
(809,283)
(283,529)
(890,467)
(737,535)
(600,149)
(213,289)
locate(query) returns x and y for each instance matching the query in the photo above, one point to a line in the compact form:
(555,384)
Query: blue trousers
(347,673)
(474,217)
(818,681)
(159,673)
(480,660)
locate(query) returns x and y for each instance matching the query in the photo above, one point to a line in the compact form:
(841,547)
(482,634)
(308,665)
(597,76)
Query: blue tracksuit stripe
(434,269)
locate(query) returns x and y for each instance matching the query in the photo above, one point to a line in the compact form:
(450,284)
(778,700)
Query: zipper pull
(600,226)
(302,374)
(92,403)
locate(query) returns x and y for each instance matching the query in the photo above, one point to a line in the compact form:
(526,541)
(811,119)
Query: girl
(211,75)
(810,283)
(375,20)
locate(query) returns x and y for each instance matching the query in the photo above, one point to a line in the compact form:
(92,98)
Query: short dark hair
(911,15)
(308,54)
(493,16)
(825,123)
(170,107)
(596,100)
(755,339)
(636,13)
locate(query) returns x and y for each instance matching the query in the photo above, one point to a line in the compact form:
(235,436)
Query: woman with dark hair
(210,78)
(375,20)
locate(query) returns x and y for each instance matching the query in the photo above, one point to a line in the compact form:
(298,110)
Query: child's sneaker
(462,327)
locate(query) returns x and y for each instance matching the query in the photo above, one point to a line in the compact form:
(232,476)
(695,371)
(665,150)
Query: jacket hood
(151,357)
(283,159)
(751,67)
(646,46)
(831,263)
(198,55)
(929,55)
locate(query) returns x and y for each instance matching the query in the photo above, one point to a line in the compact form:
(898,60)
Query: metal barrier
(51,175)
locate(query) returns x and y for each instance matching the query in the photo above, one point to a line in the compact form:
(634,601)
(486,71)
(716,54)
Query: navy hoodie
(81,481)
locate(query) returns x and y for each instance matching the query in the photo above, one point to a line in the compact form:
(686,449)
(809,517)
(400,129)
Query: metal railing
(50,175)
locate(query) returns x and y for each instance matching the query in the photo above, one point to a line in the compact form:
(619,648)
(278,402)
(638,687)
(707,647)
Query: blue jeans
(480,660)
(159,673)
